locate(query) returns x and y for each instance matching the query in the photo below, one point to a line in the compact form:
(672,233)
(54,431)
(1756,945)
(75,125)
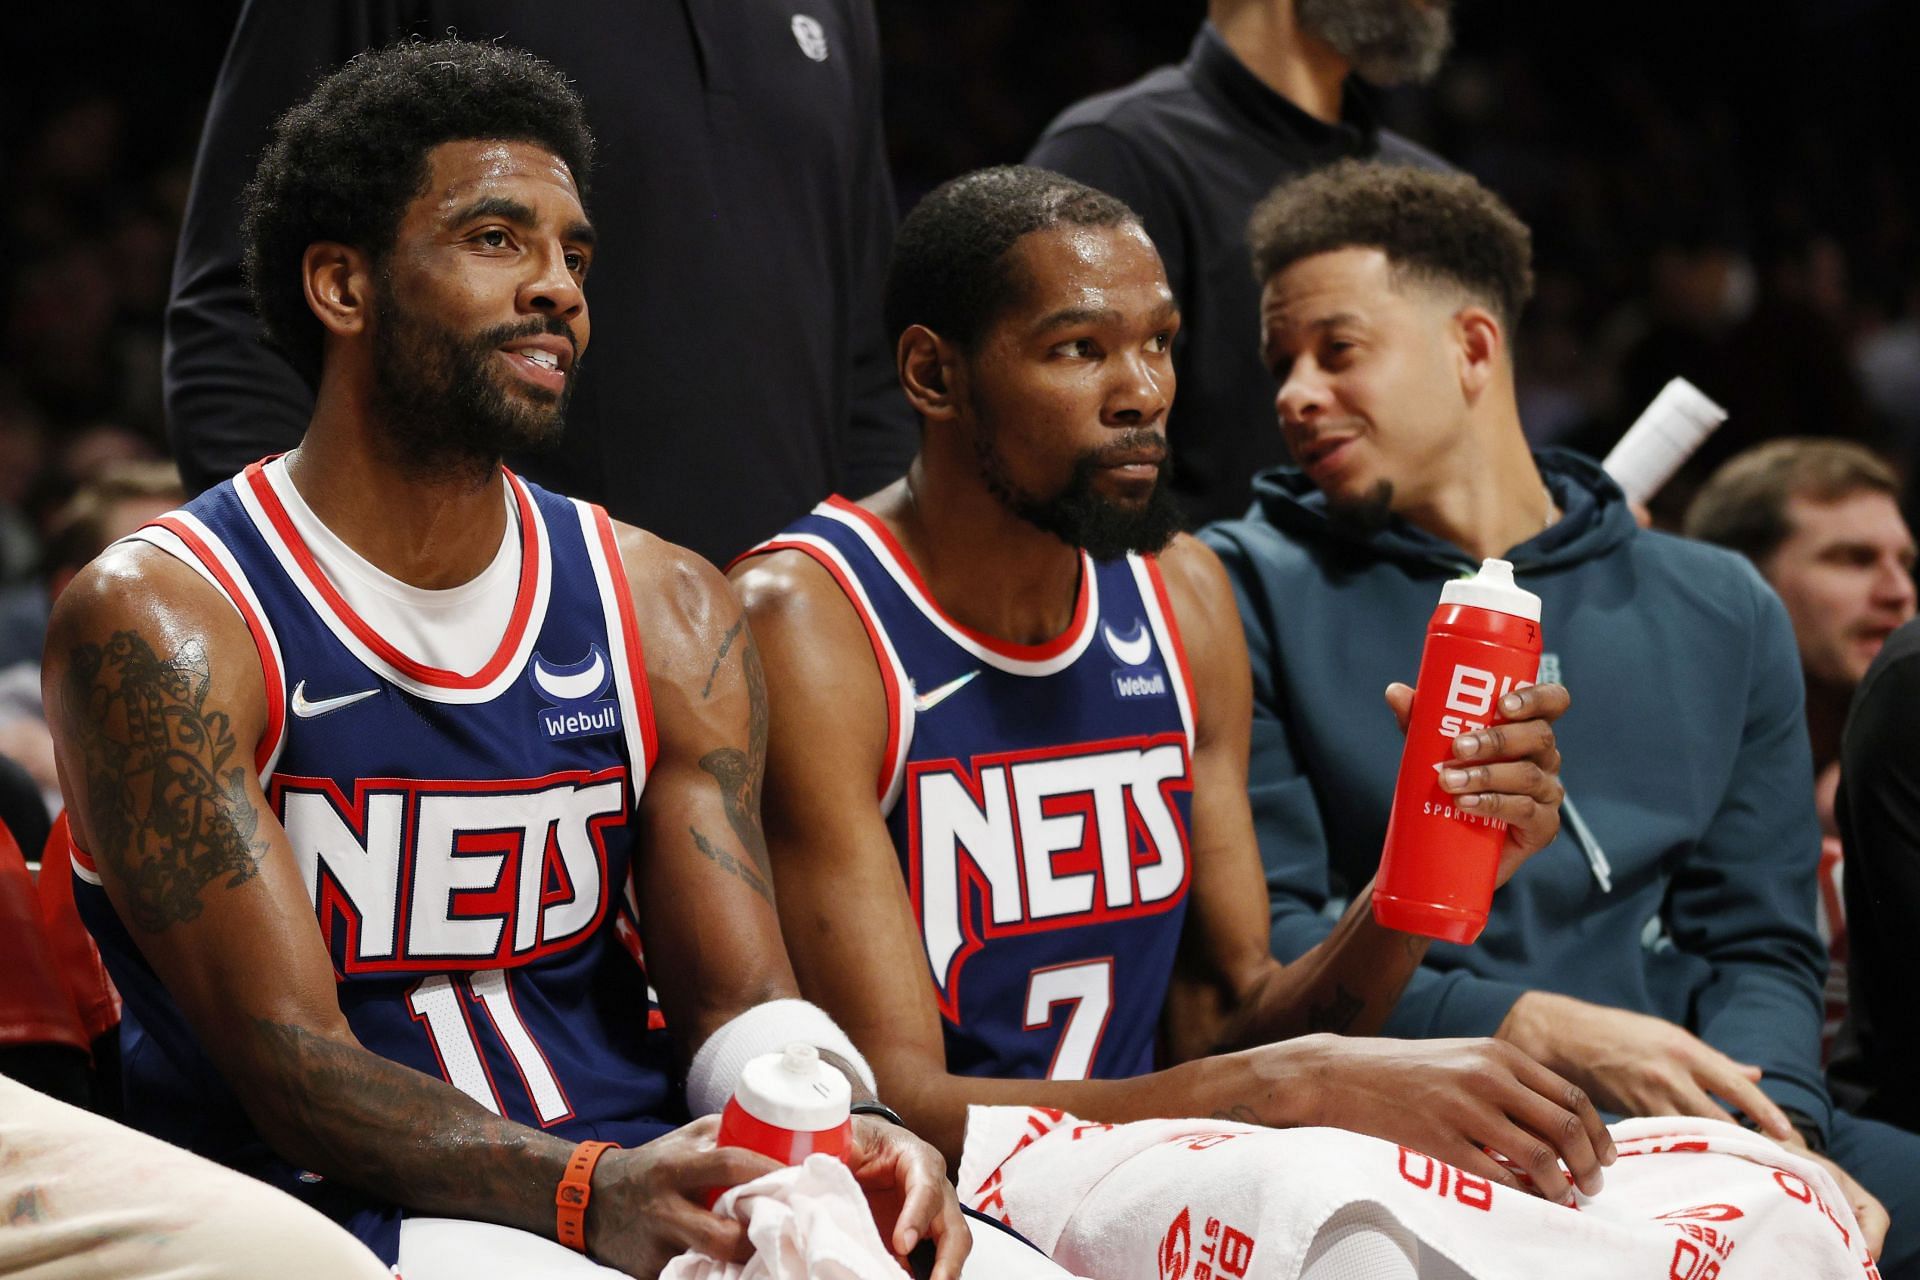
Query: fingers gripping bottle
(1437,869)
(788,1106)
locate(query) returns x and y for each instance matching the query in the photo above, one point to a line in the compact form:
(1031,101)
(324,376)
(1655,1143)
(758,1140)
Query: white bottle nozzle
(793,1089)
(1662,438)
(1493,588)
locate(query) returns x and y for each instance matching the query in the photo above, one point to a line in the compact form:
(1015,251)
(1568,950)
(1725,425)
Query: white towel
(807,1222)
(1211,1200)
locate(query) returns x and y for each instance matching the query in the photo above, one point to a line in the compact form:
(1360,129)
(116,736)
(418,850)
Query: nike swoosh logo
(934,697)
(308,710)
(1135,649)
(563,686)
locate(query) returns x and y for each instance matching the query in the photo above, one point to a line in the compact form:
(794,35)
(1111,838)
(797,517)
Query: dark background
(1726,190)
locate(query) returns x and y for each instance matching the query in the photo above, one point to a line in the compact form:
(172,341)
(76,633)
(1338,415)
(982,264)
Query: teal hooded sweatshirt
(1684,752)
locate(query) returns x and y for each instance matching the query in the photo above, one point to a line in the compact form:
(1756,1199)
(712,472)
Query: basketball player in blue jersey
(1007,787)
(384,765)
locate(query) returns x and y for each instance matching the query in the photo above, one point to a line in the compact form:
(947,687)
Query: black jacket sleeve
(230,399)
(882,432)
(1879,814)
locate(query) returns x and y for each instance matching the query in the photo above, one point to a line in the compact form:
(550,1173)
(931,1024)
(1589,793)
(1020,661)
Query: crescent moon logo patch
(587,678)
(575,689)
(1133,648)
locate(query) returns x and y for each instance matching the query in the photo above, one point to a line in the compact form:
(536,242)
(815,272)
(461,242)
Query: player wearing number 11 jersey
(1007,765)
(385,767)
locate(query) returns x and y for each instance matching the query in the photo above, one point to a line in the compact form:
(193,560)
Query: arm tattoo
(165,811)
(1338,1013)
(739,773)
(726,643)
(397,1132)
(731,865)
(1240,1112)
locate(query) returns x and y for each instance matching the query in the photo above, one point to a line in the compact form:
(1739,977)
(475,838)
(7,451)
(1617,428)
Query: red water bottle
(788,1105)
(1437,869)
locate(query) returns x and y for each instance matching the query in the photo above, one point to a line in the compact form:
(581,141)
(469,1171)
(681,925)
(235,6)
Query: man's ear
(1482,350)
(339,285)
(929,367)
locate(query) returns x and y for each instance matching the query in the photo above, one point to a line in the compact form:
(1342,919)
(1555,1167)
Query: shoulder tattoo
(166,802)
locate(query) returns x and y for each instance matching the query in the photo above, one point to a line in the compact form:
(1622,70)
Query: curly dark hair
(950,270)
(344,164)
(1441,227)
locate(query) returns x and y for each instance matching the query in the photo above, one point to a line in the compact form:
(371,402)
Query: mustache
(1130,444)
(531,327)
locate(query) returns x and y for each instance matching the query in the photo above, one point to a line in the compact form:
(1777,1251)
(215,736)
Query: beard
(1387,42)
(1078,514)
(1363,516)
(444,402)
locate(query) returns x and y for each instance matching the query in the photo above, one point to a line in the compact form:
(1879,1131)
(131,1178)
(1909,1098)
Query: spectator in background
(1767,342)
(1879,815)
(121,498)
(1887,359)
(744,186)
(1820,519)
(1267,92)
(1663,951)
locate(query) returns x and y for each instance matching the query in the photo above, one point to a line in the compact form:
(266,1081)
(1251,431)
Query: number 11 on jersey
(439,1002)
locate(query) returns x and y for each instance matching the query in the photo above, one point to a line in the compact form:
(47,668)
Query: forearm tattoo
(166,802)
(1337,1012)
(739,773)
(726,643)
(399,1133)
(731,865)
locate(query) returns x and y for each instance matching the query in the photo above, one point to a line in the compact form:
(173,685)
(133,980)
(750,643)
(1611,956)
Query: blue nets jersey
(465,840)
(1039,798)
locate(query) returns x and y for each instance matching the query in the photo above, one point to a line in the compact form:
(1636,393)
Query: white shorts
(82,1198)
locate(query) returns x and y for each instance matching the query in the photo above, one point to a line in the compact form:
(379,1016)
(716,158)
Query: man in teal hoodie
(1662,952)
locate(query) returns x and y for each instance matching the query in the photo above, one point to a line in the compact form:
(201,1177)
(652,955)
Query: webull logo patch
(1141,682)
(575,690)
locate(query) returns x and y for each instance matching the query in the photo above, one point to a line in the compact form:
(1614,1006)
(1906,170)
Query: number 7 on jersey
(1086,988)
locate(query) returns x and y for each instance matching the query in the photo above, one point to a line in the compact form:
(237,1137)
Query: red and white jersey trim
(1166,635)
(183,536)
(893,673)
(1044,659)
(256,489)
(623,636)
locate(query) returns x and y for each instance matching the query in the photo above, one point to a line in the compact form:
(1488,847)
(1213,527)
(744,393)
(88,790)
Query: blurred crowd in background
(1725,191)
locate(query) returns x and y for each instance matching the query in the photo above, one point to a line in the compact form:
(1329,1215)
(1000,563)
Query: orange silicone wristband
(576,1188)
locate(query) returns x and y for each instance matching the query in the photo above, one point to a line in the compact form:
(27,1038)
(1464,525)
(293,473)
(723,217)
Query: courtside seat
(43,1043)
(94,998)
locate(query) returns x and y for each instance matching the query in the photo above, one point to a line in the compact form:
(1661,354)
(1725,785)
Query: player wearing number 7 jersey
(1007,774)
(382,764)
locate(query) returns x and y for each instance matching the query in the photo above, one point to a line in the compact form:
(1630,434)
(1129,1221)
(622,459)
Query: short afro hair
(1441,228)
(1744,505)
(950,270)
(344,164)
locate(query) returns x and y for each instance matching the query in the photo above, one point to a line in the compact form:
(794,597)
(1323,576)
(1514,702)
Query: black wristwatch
(875,1107)
(1802,1123)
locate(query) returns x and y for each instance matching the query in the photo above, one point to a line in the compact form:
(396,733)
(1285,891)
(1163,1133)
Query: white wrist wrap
(765,1028)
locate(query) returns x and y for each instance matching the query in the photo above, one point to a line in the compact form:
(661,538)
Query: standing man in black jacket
(742,177)
(1267,93)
